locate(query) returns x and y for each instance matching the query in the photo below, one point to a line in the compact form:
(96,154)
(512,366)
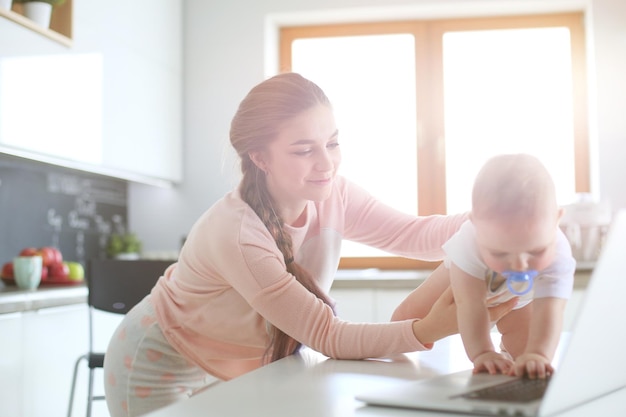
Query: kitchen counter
(13,299)
(309,384)
(392,279)
(375,278)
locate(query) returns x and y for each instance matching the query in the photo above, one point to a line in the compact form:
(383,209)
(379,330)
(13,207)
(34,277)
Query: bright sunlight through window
(507,91)
(371,82)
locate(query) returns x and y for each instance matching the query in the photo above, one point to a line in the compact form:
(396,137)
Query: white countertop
(14,299)
(410,279)
(310,385)
(377,278)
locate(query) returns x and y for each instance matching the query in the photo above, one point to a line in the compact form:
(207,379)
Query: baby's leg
(514,328)
(419,302)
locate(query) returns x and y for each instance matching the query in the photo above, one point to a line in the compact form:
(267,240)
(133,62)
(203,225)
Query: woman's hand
(441,320)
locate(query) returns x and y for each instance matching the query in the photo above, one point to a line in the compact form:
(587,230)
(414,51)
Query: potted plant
(123,246)
(39,11)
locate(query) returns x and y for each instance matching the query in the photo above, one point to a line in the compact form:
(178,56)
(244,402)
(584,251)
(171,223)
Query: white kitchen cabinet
(11,361)
(367,304)
(354,304)
(52,340)
(115,104)
(39,349)
(141,44)
(37,356)
(376,304)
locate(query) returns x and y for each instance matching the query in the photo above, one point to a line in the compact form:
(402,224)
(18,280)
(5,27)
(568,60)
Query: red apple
(58,256)
(49,255)
(29,252)
(7,270)
(44,273)
(59,271)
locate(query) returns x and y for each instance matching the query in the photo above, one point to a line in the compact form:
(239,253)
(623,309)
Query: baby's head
(515,213)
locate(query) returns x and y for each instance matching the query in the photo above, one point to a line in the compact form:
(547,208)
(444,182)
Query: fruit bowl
(54,271)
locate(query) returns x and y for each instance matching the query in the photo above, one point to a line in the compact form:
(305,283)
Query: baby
(511,246)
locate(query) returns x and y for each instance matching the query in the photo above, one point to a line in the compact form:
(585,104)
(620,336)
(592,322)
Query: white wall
(228,48)
(609,58)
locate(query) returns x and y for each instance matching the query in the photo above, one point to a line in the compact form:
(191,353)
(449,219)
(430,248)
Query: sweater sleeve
(285,303)
(373,223)
(231,280)
(261,278)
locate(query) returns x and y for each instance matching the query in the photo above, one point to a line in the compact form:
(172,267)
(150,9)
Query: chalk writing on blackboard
(44,205)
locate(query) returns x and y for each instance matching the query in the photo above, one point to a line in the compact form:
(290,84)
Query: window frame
(428,34)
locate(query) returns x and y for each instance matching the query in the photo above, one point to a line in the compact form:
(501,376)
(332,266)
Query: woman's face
(301,163)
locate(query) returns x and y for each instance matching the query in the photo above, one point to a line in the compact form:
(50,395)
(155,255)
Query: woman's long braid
(257,123)
(254,192)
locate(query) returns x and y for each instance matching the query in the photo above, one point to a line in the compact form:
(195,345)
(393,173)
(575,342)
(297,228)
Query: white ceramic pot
(6,4)
(39,12)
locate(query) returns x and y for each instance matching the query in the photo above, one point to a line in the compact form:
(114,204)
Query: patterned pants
(142,371)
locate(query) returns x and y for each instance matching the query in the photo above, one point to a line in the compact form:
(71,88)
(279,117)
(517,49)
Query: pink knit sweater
(230,280)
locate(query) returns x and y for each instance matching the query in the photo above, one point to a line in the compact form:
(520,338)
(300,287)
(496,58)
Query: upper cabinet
(107,101)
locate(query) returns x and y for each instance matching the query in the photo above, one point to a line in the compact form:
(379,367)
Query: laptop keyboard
(518,390)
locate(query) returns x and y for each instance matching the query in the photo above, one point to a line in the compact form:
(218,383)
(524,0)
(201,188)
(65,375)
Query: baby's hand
(492,362)
(533,365)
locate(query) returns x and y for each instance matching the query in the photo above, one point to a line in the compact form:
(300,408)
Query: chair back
(116,286)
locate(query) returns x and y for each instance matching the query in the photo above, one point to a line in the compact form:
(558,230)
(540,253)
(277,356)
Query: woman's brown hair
(256,123)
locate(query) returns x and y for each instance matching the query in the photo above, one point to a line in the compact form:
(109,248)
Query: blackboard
(46,205)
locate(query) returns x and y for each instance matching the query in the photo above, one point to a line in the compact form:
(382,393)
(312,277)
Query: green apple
(77,272)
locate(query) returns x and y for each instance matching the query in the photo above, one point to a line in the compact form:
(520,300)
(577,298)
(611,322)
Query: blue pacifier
(520,277)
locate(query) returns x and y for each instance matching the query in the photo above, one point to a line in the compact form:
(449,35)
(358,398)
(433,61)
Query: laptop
(592,363)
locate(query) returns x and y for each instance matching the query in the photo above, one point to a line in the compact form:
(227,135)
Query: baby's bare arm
(475,323)
(419,302)
(544,334)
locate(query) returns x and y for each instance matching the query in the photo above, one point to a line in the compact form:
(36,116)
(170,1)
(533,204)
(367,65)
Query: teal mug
(27,271)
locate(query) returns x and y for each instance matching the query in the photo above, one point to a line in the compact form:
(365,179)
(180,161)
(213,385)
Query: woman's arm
(373,223)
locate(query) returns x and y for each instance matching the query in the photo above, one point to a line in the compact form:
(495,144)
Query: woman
(252,278)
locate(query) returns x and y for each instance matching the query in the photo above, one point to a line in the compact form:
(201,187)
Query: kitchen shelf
(60,24)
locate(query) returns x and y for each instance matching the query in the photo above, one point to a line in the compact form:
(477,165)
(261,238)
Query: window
(420,105)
